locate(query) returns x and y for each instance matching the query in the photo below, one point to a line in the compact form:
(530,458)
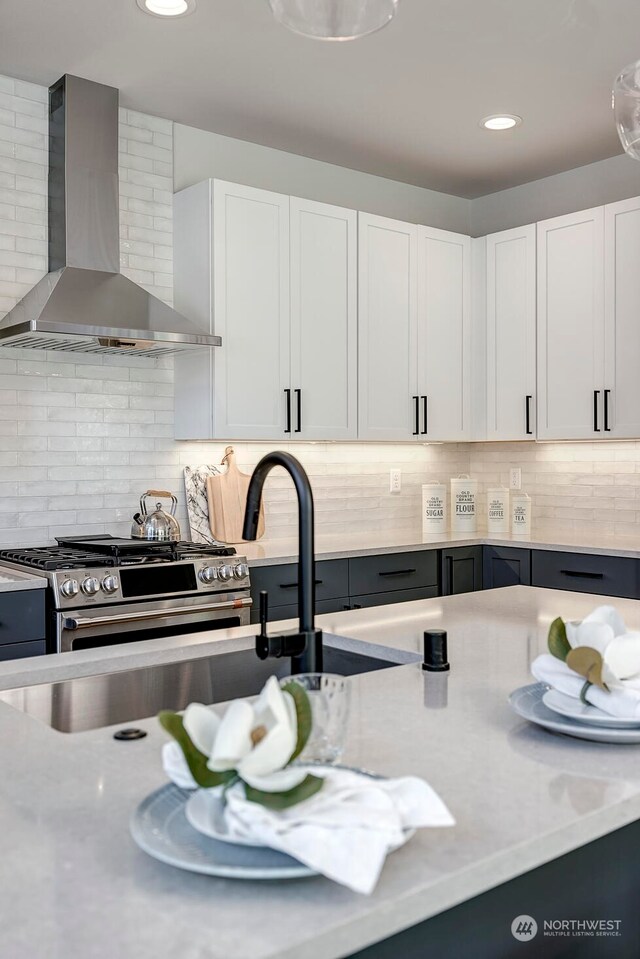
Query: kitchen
(395,315)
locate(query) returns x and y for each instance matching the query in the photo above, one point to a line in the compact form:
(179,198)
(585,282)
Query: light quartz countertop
(12,580)
(74,884)
(272,552)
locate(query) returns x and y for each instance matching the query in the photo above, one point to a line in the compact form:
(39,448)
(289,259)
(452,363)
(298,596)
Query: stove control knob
(241,571)
(110,584)
(70,587)
(225,573)
(208,575)
(90,586)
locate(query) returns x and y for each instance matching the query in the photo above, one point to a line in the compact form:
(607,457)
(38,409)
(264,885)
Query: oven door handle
(85,623)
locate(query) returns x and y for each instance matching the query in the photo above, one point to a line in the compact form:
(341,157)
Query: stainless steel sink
(91,702)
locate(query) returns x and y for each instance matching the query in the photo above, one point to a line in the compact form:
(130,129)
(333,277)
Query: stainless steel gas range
(105,590)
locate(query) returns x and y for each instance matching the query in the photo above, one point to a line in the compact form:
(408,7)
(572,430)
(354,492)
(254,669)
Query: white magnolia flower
(605,631)
(256,739)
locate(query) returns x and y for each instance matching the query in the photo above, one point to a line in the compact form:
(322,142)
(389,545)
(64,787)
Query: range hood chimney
(84,304)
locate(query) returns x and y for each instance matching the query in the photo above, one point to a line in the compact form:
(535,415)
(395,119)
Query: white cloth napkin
(624,703)
(346,830)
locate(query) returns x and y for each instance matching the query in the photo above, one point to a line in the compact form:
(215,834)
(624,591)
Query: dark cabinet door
(585,573)
(392,572)
(281,583)
(504,566)
(461,570)
(22,616)
(395,596)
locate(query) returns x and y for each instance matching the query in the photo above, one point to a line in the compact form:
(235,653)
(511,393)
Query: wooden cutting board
(227,498)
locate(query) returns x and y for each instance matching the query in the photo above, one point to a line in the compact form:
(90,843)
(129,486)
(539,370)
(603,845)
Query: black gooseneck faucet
(305,646)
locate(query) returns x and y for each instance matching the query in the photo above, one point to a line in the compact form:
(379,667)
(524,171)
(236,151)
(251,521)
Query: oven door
(153,619)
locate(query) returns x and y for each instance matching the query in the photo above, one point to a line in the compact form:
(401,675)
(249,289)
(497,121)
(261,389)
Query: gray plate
(527,702)
(159,826)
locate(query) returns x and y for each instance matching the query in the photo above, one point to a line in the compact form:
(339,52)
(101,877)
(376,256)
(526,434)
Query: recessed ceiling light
(501,121)
(167,8)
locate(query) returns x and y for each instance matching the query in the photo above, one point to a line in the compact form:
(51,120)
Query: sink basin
(91,702)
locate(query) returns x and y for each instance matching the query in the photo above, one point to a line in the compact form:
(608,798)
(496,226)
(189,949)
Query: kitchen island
(74,884)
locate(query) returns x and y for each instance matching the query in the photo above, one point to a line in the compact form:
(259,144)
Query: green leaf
(587,662)
(196,761)
(303,712)
(309,786)
(557,641)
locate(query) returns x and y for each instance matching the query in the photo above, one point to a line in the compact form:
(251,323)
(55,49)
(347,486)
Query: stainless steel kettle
(156,525)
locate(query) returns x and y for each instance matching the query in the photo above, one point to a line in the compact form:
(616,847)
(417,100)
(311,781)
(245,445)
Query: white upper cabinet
(387,328)
(251,310)
(232,276)
(444,335)
(571,326)
(621,398)
(324,334)
(276,278)
(511,334)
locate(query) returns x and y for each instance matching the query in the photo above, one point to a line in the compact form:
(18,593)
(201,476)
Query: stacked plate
(547,707)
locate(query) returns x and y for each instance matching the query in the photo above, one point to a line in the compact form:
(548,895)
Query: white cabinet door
(444,335)
(251,309)
(387,320)
(571,326)
(511,334)
(323,321)
(621,416)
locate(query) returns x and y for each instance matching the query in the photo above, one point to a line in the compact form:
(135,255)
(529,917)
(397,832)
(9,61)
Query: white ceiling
(403,103)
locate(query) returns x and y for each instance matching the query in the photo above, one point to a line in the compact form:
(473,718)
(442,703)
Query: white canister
(520,514)
(434,508)
(498,516)
(464,504)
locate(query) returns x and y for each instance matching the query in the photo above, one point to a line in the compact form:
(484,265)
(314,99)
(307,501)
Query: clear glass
(330,697)
(626,107)
(334,19)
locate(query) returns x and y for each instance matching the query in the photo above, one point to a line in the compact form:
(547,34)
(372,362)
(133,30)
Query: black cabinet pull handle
(287,428)
(398,572)
(424,415)
(607,428)
(298,393)
(416,415)
(596,394)
(581,575)
(317,582)
(527,415)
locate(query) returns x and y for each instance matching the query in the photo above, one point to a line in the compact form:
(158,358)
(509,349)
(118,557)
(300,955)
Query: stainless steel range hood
(84,304)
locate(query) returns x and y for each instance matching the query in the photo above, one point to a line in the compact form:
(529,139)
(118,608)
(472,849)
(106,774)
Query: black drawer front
(291,611)
(396,596)
(392,572)
(22,616)
(20,650)
(504,566)
(585,573)
(281,582)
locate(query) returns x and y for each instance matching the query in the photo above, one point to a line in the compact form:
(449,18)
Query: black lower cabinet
(461,570)
(505,566)
(22,624)
(281,583)
(586,573)
(395,596)
(595,882)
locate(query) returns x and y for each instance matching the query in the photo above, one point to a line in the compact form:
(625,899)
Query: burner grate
(50,558)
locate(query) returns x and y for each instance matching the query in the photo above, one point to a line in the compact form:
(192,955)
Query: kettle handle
(159,492)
